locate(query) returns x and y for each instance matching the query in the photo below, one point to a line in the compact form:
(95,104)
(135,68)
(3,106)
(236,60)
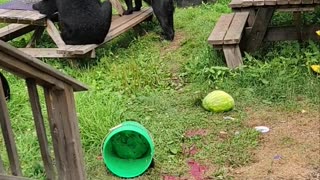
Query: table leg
(298,24)
(259,29)
(35,37)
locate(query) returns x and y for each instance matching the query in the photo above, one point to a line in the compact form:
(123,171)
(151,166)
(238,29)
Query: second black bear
(5,86)
(163,10)
(81,21)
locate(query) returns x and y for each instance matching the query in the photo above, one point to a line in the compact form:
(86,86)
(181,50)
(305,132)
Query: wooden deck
(24,21)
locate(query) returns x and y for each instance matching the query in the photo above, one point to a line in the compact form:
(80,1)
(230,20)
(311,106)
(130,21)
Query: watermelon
(218,101)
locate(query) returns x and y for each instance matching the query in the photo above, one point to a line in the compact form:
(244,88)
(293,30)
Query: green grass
(134,77)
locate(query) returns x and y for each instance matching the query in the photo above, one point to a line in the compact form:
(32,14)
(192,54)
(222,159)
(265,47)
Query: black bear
(5,86)
(163,10)
(81,21)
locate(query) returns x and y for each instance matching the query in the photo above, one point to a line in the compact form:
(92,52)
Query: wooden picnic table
(249,25)
(259,29)
(22,21)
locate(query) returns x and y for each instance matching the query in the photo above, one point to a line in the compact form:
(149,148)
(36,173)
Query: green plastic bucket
(128,150)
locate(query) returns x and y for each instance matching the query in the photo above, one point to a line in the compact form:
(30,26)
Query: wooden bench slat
(52,53)
(219,31)
(235,4)
(247,3)
(258,2)
(295,1)
(307,1)
(282,2)
(270,2)
(119,26)
(4,11)
(236,28)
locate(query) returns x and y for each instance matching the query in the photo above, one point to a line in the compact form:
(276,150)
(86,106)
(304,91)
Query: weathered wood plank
(12,31)
(52,53)
(270,2)
(56,129)
(65,133)
(2,171)
(35,36)
(40,128)
(235,4)
(247,3)
(316,1)
(235,30)
(295,9)
(6,177)
(72,133)
(290,33)
(8,135)
(232,55)
(25,71)
(295,1)
(220,29)
(259,28)
(282,2)
(3,11)
(37,65)
(258,2)
(54,34)
(307,1)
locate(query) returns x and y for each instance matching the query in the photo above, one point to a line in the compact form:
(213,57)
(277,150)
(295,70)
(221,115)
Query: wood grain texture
(12,31)
(65,134)
(220,29)
(40,128)
(235,30)
(24,60)
(8,136)
(259,29)
(232,55)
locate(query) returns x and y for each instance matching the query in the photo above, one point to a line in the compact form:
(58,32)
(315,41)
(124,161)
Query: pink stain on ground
(167,177)
(190,151)
(196,170)
(198,132)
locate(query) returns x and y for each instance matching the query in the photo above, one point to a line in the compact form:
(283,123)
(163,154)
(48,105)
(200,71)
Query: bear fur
(81,21)
(5,86)
(163,10)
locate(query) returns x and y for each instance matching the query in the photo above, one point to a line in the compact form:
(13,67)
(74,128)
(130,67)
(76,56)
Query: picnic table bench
(249,25)
(25,20)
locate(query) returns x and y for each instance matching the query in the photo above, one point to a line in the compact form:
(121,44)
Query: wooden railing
(60,105)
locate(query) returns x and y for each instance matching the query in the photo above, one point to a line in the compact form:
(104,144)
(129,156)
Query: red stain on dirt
(196,170)
(190,151)
(167,177)
(198,132)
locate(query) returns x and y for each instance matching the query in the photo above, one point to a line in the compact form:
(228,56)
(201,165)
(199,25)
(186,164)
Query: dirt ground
(290,150)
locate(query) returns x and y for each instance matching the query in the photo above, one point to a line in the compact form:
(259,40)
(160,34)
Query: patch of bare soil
(175,44)
(174,65)
(290,150)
